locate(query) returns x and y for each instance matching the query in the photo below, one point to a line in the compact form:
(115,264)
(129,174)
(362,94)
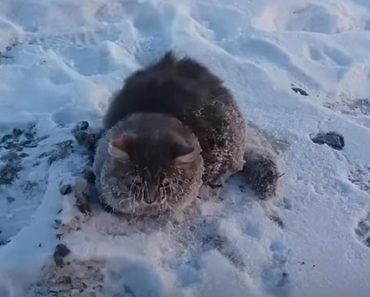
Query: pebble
(332,139)
(300,91)
(6,137)
(28,143)
(17,132)
(65,189)
(61,251)
(83,125)
(10,199)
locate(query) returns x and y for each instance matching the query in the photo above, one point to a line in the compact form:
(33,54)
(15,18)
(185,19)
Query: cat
(172,129)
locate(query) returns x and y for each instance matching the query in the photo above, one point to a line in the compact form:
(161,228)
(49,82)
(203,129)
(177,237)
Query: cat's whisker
(132,189)
(135,192)
(105,207)
(163,204)
(175,183)
(139,190)
(166,204)
(144,190)
(121,202)
(172,192)
(169,207)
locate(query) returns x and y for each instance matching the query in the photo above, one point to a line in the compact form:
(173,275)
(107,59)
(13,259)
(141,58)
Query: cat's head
(156,162)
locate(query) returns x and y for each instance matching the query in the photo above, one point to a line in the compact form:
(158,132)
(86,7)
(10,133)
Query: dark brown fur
(168,110)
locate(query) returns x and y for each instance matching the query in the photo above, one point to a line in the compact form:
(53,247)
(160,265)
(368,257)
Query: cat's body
(173,128)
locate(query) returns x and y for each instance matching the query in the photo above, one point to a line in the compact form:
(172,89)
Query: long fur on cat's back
(171,129)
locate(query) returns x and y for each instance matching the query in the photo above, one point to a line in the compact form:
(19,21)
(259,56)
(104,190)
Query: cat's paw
(262,174)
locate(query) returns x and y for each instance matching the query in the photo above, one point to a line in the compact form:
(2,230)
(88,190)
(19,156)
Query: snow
(62,60)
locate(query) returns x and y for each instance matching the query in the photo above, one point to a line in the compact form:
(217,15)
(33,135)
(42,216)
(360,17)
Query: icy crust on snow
(299,71)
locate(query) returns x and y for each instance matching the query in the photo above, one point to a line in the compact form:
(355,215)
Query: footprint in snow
(212,238)
(362,230)
(86,278)
(25,158)
(20,182)
(274,276)
(360,177)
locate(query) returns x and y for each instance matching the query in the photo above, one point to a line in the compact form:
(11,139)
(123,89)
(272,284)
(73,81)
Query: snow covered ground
(296,67)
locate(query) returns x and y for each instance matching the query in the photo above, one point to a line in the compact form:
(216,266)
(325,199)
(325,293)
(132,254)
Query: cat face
(154,166)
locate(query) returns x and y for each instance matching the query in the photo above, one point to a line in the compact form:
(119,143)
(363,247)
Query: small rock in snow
(6,137)
(61,251)
(300,91)
(10,199)
(65,189)
(17,132)
(83,125)
(332,139)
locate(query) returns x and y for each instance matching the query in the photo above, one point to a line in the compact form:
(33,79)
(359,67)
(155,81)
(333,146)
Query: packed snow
(298,69)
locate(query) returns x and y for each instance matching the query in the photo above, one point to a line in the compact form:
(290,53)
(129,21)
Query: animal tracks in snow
(26,156)
(153,28)
(330,56)
(114,277)
(361,178)
(226,23)
(136,28)
(362,230)
(321,18)
(274,275)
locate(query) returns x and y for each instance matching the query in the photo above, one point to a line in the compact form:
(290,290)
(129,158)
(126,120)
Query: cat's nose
(151,195)
(149,199)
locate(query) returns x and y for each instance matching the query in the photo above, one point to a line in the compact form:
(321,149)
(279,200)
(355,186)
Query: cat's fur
(173,128)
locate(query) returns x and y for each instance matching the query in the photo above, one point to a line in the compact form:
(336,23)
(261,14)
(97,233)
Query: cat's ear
(117,146)
(116,152)
(186,155)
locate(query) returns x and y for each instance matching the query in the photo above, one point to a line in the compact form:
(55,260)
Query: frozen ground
(297,68)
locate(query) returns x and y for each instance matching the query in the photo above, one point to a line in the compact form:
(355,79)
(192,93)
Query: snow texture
(298,69)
